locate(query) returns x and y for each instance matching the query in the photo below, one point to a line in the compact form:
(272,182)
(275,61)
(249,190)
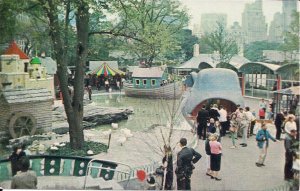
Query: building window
(26,67)
(153,82)
(144,82)
(137,82)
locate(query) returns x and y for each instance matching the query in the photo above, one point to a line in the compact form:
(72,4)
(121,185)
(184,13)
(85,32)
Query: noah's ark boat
(152,83)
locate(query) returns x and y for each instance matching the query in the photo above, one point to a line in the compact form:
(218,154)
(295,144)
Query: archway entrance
(228,105)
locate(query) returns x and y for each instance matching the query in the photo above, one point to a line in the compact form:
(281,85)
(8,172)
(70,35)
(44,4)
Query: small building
(17,72)
(25,111)
(148,78)
(287,100)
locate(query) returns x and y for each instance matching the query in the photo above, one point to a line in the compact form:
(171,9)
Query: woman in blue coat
(262,138)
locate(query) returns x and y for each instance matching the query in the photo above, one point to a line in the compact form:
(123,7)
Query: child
(262,138)
(151,183)
(207,151)
(262,113)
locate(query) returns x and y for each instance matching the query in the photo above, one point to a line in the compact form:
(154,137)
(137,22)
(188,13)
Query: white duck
(121,140)
(106,133)
(126,132)
(115,125)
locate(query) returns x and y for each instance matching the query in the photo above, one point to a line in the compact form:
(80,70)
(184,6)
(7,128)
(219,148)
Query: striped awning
(106,70)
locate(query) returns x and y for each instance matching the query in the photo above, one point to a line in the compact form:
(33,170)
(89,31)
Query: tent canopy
(106,70)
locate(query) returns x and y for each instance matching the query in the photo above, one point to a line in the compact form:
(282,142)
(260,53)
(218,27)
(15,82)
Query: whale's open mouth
(228,105)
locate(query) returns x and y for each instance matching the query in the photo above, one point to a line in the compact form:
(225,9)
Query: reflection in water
(146,112)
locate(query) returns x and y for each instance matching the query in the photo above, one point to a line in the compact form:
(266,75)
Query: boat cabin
(148,78)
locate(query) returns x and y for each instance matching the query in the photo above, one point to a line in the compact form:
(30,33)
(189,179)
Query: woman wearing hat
(215,157)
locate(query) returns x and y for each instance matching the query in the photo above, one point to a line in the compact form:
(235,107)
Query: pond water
(146,112)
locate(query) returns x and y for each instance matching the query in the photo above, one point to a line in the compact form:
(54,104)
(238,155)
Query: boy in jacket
(262,138)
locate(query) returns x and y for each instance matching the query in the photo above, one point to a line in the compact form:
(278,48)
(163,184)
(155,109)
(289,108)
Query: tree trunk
(82,24)
(74,110)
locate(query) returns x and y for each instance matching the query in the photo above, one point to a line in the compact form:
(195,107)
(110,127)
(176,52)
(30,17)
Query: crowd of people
(214,123)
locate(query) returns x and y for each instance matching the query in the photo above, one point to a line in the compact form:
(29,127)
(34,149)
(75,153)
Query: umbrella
(106,70)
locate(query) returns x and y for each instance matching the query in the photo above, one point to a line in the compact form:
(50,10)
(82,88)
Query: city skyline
(233,9)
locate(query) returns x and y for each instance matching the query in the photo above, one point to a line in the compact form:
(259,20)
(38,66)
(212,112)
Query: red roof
(14,49)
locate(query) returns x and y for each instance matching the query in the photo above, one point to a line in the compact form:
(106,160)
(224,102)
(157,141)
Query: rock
(90,152)
(105,115)
(92,117)
(28,140)
(42,149)
(53,148)
(4,136)
(60,128)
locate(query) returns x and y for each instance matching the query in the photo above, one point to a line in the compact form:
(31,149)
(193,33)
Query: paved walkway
(238,169)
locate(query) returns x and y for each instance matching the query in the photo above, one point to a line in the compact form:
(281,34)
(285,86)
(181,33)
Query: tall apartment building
(276,28)
(237,33)
(288,7)
(254,22)
(281,21)
(209,21)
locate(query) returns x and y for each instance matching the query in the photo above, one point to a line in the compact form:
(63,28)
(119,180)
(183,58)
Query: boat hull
(168,91)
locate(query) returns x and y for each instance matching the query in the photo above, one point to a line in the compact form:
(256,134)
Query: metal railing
(121,173)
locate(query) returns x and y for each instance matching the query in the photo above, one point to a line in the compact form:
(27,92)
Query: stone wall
(47,83)
(42,112)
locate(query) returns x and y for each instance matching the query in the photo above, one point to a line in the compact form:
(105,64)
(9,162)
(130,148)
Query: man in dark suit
(185,160)
(202,119)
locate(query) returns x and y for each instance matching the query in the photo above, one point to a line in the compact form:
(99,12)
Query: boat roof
(152,72)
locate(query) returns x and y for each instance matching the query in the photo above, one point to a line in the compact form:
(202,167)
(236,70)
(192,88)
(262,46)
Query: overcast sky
(233,9)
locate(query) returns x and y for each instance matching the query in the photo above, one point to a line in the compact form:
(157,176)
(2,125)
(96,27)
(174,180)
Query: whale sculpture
(214,85)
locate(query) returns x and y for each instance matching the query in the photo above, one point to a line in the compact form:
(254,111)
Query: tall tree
(291,37)
(223,43)
(8,19)
(153,24)
(185,42)
(254,50)
(59,32)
